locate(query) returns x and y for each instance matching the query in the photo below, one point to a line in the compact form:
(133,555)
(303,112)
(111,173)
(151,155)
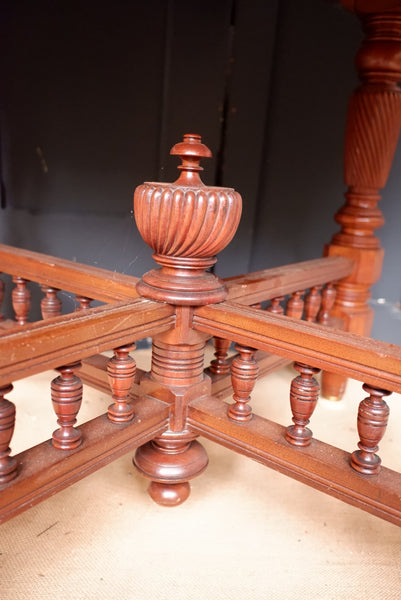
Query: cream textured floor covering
(246,532)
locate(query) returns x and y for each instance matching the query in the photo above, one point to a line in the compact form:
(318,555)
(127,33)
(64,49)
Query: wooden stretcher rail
(50,344)
(270,283)
(92,282)
(43,470)
(361,358)
(319,465)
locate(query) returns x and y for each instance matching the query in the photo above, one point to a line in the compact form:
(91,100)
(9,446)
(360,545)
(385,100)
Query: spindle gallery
(312,314)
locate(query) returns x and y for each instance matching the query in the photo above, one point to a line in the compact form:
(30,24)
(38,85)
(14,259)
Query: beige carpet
(246,532)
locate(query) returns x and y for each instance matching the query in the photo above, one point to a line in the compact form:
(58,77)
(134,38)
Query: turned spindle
(50,305)
(244,372)
(83,303)
(8,464)
(312,303)
(66,393)
(121,372)
(295,305)
(328,298)
(304,394)
(275,306)
(373,415)
(219,365)
(21,300)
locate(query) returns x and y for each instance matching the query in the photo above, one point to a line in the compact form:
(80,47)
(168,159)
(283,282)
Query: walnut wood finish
(373,127)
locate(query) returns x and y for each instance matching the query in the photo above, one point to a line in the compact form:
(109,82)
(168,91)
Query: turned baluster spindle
(244,371)
(328,299)
(295,305)
(8,464)
(121,372)
(373,415)
(83,303)
(21,300)
(66,393)
(275,306)
(312,303)
(219,365)
(304,394)
(50,305)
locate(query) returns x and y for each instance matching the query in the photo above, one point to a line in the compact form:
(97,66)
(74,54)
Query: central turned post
(186,224)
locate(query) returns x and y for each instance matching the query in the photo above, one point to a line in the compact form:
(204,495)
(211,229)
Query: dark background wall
(94,94)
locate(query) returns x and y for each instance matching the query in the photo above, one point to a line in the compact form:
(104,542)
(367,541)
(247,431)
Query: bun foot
(169,494)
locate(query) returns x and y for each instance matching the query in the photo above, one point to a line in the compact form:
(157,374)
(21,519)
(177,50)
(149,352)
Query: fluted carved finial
(186,223)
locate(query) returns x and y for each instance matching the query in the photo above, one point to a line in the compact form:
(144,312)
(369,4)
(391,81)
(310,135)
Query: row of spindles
(50,304)
(66,388)
(373,411)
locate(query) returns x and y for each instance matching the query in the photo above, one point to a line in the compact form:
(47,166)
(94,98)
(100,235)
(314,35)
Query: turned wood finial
(186,223)
(191,151)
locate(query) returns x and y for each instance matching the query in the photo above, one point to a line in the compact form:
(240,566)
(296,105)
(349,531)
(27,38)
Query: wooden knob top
(191,151)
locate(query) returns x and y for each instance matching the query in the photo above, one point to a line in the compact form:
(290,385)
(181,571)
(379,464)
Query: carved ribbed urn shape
(186,224)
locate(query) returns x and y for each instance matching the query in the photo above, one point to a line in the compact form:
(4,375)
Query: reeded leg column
(373,126)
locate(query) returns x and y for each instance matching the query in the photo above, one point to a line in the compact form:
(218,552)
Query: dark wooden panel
(81,94)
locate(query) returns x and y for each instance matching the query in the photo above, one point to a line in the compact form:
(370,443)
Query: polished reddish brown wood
(162,412)
(295,305)
(186,224)
(21,298)
(244,372)
(373,127)
(373,416)
(312,304)
(50,304)
(8,465)
(66,392)
(220,365)
(328,298)
(304,395)
(275,306)
(121,371)
(83,302)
